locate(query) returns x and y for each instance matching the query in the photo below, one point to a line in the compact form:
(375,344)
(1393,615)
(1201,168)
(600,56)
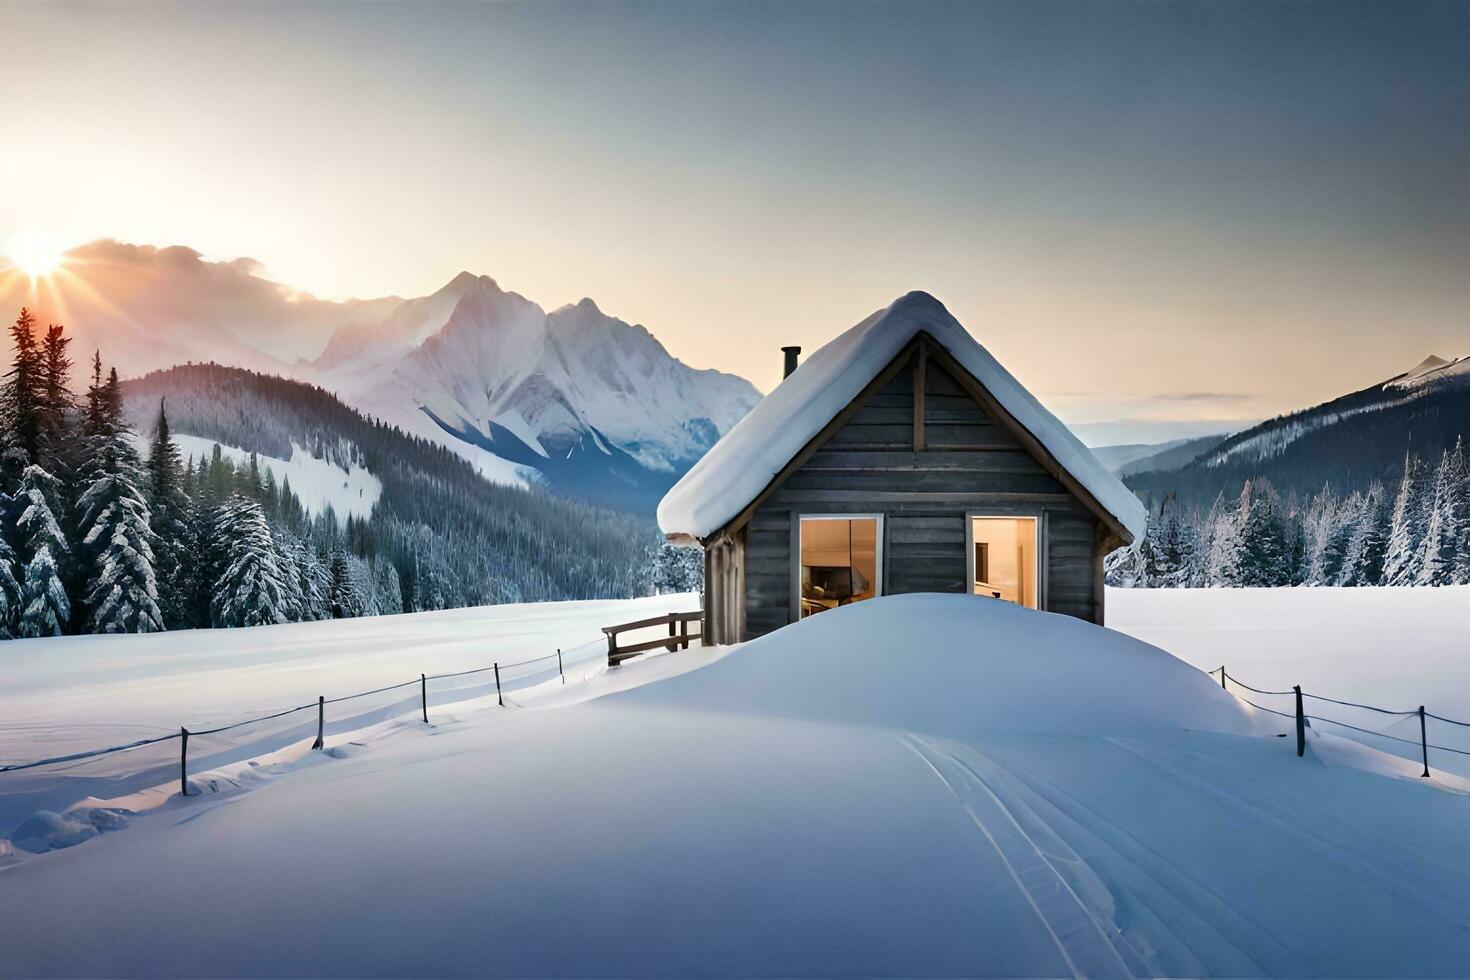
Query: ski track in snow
(1070,900)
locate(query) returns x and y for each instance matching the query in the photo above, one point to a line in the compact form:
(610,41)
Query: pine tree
(1367,546)
(169,518)
(56,402)
(390,592)
(114,521)
(1267,556)
(1175,553)
(10,593)
(22,396)
(45,604)
(1448,521)
(346,596)
(1222,545)
(250,591)
(1405,553)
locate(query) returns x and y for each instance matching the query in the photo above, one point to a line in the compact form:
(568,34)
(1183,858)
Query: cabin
(900,457)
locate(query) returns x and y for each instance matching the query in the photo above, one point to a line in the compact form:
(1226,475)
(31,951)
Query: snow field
(917,785)
(1395,648)
(76,694)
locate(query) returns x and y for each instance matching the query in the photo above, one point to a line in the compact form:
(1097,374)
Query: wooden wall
(969,463)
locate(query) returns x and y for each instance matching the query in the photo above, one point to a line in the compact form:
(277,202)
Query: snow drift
(949,665)
(916,785)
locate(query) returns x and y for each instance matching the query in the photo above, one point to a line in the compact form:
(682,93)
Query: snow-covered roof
(744,462)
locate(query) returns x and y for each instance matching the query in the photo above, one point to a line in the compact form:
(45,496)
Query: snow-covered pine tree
(1266,556)
(1367,544)
(346,596)
(1220,565)
(1448,522)
(1176,546)
(113,518)
(10,598)
(388,592)
(430,590)
(1405,552)
(1346,517)
(45,605)
(169,518)
(249,592)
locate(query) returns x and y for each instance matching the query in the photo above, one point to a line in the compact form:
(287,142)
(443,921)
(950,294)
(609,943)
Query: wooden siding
(969,463)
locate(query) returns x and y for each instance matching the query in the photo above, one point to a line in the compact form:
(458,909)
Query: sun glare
(38,256)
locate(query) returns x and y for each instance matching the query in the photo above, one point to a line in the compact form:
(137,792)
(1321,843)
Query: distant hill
(1348,442)
(500,543)
(1137,457)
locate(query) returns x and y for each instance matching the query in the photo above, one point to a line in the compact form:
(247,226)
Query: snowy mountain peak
(491,370)
(1430,371)
(1431,363)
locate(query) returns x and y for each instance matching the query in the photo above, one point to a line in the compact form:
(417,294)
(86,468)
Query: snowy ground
(76,693)
(1394,648)
(918,785)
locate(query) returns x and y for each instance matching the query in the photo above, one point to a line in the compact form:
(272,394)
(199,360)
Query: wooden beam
(921,362)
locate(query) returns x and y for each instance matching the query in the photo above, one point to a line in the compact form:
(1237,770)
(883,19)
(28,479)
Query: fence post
(1222,678)
(1424,742)
(499,700)
(559,672)
(184,763)
(321,711)
(1301,723)
(424,696)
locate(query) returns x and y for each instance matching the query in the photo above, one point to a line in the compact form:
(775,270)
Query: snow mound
(741,464)
(960,667)
(46,830)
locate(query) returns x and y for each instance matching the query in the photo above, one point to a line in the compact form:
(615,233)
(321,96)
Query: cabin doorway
(1001,558)
(841,561)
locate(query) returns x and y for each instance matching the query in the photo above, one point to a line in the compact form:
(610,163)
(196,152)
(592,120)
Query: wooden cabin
(901,457)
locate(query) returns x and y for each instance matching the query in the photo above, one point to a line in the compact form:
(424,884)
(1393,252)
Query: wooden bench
(678,639)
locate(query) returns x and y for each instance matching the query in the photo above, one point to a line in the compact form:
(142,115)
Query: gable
(807,409)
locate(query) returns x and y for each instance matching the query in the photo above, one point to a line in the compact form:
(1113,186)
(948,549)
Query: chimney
(791,355)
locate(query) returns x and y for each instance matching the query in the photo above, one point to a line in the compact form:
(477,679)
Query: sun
(36,255)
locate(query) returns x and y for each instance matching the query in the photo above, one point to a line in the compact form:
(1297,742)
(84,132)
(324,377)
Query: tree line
(1416,532)
(97,535)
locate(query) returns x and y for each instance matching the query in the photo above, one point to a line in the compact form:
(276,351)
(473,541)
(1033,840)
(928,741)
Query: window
(841,561)
(1002,558)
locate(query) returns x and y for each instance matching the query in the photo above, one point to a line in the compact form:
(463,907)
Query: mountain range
(574,399)
(1346,443)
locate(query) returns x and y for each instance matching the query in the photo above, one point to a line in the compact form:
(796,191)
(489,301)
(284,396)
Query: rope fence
(552,666)
(1303,718)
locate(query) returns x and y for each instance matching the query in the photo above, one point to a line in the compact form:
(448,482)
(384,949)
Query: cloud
(146,307)
(1204,396)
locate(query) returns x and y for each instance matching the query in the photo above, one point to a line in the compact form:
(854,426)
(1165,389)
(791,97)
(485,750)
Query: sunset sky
(1146,211)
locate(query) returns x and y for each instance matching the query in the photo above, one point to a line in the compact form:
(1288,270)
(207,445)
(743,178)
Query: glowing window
(841,561)
(1002,559)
